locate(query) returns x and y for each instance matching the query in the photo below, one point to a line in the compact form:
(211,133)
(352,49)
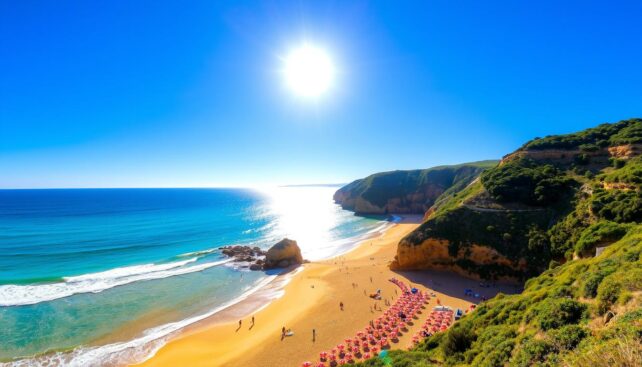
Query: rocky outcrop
(618,186)
(626,151)
(243,253)
(245,256)
(283,254)
(434,254)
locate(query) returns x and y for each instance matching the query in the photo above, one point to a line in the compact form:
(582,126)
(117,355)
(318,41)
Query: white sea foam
(17,295)
(150,341)
(199,253)
(129,352)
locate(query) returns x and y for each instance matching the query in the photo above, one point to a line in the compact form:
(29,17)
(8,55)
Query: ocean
(106,276)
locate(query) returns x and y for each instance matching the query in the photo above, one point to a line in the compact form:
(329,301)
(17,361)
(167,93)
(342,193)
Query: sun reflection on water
(310,216)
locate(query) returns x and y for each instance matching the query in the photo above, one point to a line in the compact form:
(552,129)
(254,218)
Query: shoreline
(125,346)
(307,299)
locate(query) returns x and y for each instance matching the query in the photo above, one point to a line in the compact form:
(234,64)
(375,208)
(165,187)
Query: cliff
(555,198)
(407,192)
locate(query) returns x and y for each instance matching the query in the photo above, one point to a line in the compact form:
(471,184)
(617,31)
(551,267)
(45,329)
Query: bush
(607,294)
(618,205)
(589,147)
(617,163)
(532,350)
(458,339)
(552,314)
(590,287)
(568,337)
(627,172)
(603,232)
(582,159)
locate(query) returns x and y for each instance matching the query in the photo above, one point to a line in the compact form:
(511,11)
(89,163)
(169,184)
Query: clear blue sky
(160,93)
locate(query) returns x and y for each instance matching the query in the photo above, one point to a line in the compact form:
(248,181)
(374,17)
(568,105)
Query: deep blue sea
(105,276)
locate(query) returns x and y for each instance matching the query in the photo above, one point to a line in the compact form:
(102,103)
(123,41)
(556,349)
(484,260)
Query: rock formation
(283,254)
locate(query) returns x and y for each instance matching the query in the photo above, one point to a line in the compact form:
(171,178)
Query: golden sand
(311,301)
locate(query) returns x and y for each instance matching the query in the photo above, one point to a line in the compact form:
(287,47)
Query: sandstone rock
(433,253)
(283,254)
(283,263)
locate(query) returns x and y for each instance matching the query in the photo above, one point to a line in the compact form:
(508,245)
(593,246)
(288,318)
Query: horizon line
(171,187)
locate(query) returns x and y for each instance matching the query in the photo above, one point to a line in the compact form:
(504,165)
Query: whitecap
(18,295)
(128,352)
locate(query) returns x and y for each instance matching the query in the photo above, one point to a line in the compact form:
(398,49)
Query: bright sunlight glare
(309,71)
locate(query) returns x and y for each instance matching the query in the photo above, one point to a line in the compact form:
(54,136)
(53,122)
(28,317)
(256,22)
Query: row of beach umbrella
(377,336)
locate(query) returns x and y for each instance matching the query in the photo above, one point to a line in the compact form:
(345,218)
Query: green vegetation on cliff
(525,181)
(585,312)
(605,135)
(533,210)
(411,192)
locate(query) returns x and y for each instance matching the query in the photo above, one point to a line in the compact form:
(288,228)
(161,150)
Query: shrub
(532,350)
(552,314)
(590,287)
(617,205)
(589,147)
(599,233)
(567,337)
(627,172)
(582,159)
(458,339)
(607,294)
(617,163)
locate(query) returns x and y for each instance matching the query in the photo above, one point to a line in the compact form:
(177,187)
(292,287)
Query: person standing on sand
(240,322)
(314,335)
(282,333)
(252,320)
(341,305)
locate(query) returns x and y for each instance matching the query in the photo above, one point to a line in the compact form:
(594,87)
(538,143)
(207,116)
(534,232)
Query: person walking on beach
(282,333)
(341,305)
(252,320)
(314,335)
(240,322)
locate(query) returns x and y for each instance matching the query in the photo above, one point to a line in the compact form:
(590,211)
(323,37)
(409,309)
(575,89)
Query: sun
(309,71)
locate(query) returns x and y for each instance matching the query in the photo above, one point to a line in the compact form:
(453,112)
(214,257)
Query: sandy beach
(311,301)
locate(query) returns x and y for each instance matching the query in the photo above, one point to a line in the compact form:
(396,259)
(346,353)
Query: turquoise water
(106,276)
